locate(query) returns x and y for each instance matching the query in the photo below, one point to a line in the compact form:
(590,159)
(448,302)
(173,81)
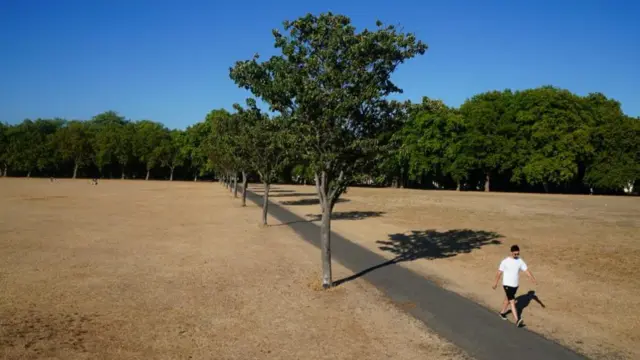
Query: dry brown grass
(158,270)
(584,250)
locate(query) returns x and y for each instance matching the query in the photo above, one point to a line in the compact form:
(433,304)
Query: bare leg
(505,306)
(513,309)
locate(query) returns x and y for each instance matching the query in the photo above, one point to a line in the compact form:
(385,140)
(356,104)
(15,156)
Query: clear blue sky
(168,60)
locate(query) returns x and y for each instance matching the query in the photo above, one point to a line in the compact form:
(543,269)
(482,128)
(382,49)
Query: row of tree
(533,140)
(331,122)
(103,146)
(540,139)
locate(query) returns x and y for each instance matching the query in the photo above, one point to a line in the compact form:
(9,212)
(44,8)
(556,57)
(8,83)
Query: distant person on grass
(510,269)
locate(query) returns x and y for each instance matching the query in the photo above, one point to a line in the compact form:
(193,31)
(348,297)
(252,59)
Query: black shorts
(510,291)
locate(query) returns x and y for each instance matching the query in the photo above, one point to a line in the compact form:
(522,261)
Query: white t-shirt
(510,268)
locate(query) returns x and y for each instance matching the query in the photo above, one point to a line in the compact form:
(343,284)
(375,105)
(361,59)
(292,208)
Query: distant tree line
(537,140)
(543,140)
(331,123)
(108,145)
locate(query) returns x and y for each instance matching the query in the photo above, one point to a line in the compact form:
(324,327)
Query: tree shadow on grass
(429,244)
(293,194)
(292,222)
(308,202)
(337,215)
(347,215)
(260,190)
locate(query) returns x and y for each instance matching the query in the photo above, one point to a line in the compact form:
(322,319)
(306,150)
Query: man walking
(510,269)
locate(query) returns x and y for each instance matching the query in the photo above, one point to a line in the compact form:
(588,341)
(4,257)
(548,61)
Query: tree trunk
(458,186)
(545,185)
(245,182)
(325,245)
(235,185)
(487,182)
(171,175)
(122,175)
(75,171)
(5,170)
(195,178)
(148,172)
(265,203)
(29,174)
(326,205)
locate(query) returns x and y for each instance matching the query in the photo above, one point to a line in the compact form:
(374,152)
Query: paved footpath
(475,329)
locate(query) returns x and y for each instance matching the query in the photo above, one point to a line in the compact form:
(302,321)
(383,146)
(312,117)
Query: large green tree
(554,132)
(331,82)
(73,143)
(222,145)
(430,142)
(109,145)
(197,136)
(149,136)
(615,165)
(263,143)
(490,136)
(29,146)
(173,151)
(124,139)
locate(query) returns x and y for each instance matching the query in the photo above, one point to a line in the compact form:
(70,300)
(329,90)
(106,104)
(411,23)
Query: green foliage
(331,83)
(222,142)
(616,162)
(149,136)
(423,140)
(125,136)
(108,118)
(263,143)
(554,132)
(4,147)
(197,153)
(29,145)
(302,173)
(490,132)
(73,143)
(105,144)
(173,150)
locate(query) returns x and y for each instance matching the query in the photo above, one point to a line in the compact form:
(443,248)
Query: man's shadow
(523,301)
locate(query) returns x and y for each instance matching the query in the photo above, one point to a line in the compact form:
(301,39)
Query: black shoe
(503,316)
(519,323)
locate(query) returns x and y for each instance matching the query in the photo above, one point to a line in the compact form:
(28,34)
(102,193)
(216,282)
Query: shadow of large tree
(429,244)
(260,191)
(347,215)
(293,194)
(314,201)
(432,244)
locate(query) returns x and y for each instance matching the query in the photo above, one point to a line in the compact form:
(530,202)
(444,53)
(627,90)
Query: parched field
(159,270)
(584,251)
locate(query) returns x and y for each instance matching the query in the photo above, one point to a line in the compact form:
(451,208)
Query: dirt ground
(159,270)
(584,251)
